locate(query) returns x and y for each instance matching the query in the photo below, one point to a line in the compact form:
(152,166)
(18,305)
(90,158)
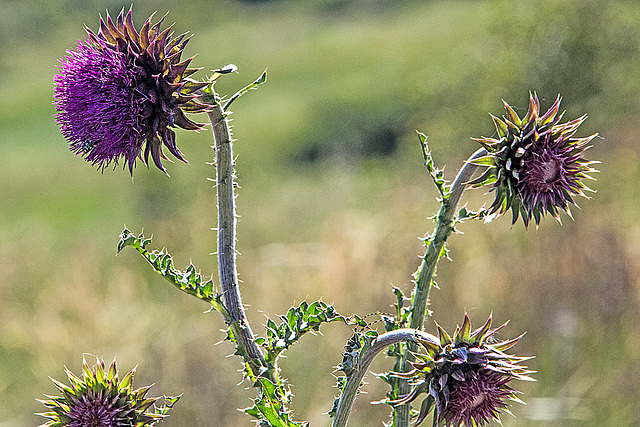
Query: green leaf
(436,174)
(188,281)
(254,85)
(169,402)
(297,322)
(269,407)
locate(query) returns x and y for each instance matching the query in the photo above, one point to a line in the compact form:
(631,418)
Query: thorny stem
(443,230)
(382,342)
(424,277)
(227,240)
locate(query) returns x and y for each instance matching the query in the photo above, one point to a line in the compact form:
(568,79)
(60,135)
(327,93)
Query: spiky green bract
(466,378)
(99,399)
(535,163)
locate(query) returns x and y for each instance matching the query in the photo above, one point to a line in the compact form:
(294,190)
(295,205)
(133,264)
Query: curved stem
(252,353)
(383,341)
(424,277)
(444,227)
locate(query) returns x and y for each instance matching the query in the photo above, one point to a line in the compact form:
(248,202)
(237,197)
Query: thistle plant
(120,93)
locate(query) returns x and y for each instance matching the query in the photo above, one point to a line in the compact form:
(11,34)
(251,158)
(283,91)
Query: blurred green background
(334,197)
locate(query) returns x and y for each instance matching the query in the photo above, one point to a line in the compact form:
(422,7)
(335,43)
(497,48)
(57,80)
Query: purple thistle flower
(121,89)
(466,379)
(535,164)
(99,399)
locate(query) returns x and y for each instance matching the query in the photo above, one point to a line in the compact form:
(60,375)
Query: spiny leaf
(297,322)
(188,281)
(269,407)
(436,174)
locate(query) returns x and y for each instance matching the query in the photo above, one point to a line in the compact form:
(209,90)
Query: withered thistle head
(466,379)
(121,89)
(535,163)
(99,399)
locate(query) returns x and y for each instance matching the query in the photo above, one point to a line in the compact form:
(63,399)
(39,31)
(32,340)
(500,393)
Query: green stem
(227,219)
(381,343)
(443,230)
(424,278)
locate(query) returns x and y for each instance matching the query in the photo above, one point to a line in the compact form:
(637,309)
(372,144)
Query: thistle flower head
(466,378)
(535,164)
(99,399)
(121,89)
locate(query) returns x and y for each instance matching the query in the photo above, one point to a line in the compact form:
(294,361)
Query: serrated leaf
(188,281)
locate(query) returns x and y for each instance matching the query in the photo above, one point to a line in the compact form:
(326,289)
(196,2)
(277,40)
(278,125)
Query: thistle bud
(99,399)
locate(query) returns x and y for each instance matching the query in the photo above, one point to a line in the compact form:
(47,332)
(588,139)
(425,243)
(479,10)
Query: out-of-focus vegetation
(333,199)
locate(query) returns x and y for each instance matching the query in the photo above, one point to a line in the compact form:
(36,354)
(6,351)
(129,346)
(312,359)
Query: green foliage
(169,402)
(436,174)
(359,342)
(297,322)
(269,408)
(465,214)
(400,320)
(192,283)
(188,281)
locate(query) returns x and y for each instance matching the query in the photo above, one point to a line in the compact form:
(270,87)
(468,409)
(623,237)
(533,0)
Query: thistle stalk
(444,228)
(381,343)
(224,163)
(424,276)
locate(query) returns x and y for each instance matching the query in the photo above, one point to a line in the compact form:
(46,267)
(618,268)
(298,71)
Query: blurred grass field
(334,198)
